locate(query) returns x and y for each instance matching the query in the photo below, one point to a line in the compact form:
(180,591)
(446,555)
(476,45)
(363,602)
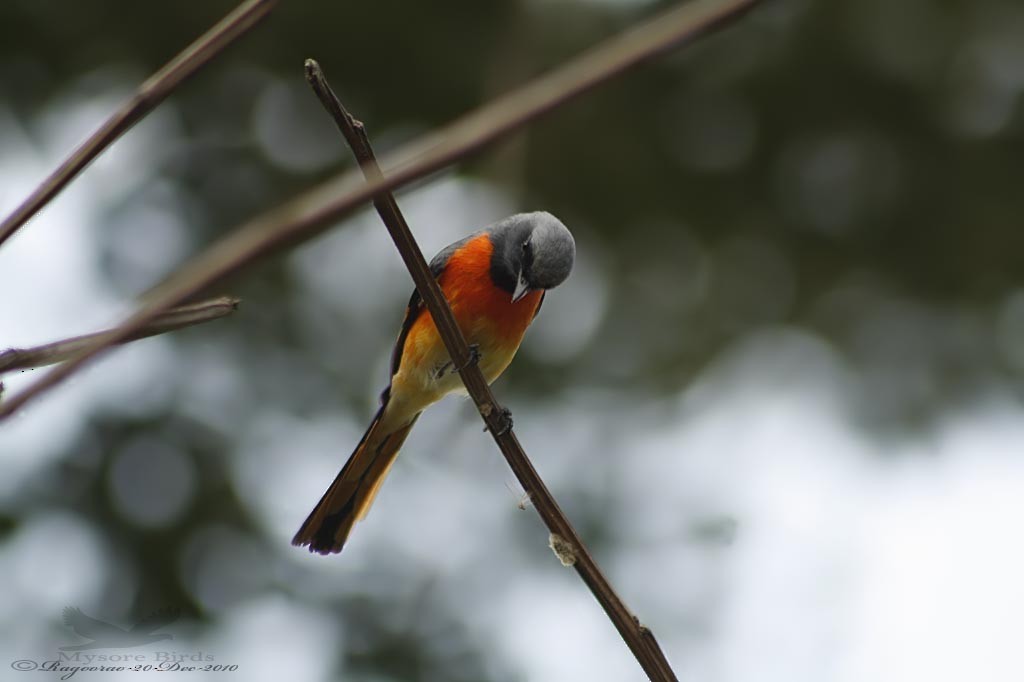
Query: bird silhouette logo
(107,636)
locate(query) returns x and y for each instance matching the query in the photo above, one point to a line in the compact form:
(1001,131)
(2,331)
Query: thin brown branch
(146,98)
(639,639)
(310,214)
(176,318)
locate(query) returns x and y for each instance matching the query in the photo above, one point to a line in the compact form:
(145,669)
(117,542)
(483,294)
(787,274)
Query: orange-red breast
(495,281)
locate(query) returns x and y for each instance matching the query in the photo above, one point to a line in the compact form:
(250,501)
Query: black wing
(412,312)
(416,306)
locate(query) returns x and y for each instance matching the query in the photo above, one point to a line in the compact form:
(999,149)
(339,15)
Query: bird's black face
(532,251)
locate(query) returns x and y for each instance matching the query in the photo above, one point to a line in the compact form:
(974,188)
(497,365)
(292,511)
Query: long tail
(349,497)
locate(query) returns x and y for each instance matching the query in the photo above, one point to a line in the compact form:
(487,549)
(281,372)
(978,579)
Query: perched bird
(494,280)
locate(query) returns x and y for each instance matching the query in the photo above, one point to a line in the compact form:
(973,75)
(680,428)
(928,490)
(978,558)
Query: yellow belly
(426,374)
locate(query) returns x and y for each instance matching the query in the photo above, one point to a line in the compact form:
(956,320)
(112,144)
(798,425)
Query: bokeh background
(780,396)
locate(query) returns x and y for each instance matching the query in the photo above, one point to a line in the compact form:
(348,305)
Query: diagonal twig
(146,98)
(176,318)
(638,638)
(310,214)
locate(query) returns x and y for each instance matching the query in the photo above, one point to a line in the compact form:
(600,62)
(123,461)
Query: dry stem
(639,639)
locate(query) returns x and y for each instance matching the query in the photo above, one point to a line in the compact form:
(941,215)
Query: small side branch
(563,539)
(145,99)
(176,318)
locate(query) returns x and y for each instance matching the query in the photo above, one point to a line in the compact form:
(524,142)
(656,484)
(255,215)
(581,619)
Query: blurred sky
(780,396)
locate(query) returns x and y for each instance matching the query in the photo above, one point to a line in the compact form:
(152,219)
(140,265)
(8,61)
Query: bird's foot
(505,417)
(474,357)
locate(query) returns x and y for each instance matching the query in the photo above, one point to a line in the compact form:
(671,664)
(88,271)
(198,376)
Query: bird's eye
(527,253)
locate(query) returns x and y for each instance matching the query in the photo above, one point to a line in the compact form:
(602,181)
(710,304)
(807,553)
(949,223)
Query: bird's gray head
(532,251)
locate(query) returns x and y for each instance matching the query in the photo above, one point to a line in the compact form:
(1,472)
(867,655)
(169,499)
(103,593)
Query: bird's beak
(522,288)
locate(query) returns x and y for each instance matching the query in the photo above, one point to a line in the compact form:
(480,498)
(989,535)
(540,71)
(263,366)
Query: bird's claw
(506,422)
(474,357)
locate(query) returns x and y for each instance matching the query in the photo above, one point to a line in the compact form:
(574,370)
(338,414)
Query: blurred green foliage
(851,168)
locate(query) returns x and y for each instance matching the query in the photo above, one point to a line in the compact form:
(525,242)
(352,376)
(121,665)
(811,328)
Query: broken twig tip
(314,74)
